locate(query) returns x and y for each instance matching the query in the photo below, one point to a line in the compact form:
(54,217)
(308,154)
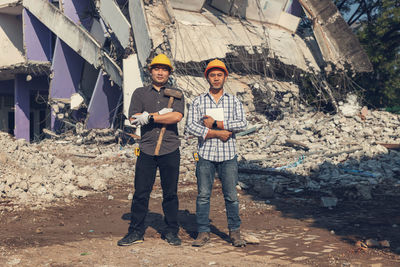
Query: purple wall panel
(103,103)
(295,8)
(37,38)
(78,12)
(67,64)
(67,68)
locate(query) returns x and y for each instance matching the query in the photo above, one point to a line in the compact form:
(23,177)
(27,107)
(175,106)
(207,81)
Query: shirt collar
(150,87)
(223,94)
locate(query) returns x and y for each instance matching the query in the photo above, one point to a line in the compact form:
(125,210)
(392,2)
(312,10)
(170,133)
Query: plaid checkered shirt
(214,149)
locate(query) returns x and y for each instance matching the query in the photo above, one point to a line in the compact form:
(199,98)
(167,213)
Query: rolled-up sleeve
(193,123)
(136,105)
(179,104)
(239,121)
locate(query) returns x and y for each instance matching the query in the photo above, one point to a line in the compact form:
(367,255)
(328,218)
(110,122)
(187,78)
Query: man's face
(216,78)
(159,74)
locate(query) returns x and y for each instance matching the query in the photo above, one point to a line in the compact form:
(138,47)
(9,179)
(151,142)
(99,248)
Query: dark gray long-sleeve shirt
(149,99)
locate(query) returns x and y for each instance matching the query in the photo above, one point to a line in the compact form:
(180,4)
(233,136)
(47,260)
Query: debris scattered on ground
(344,160)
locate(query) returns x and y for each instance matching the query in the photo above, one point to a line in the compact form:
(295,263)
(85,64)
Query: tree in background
(377,25)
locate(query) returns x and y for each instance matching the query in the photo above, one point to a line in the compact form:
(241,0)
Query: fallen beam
(140,30)
(74,36)
(334,36)
(116,21)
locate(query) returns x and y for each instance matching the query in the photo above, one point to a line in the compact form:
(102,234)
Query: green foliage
(379,34)
(395,109)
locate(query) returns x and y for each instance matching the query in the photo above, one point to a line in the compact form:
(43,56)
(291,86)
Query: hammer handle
(163,129)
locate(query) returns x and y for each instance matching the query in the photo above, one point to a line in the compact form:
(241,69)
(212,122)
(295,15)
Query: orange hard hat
(161,59)
(216,64)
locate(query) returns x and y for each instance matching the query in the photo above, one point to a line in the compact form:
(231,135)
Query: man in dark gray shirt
(149,110)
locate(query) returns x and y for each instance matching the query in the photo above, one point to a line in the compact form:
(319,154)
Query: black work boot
(131,238)
(202,239)
(172,239)
(236,240)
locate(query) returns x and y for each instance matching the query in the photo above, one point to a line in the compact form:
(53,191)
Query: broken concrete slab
(113,17)
(289,22)
(140,30)
(220,36)
(76,101)
(189,5)
(335,38)
(77,38)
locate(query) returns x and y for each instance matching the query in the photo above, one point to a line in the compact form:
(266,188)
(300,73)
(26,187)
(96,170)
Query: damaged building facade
(80,60)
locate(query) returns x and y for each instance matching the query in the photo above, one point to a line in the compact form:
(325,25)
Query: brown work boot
(236,240)
(202,239)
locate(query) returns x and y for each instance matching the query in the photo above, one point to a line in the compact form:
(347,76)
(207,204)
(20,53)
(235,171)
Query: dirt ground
(292,230)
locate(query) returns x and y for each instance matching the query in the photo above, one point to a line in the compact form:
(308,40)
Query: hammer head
(173,92)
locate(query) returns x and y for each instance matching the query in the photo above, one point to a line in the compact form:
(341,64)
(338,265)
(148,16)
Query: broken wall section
(337,42)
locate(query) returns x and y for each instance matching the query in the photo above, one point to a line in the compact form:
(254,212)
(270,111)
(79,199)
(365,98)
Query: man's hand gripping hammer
(172,93)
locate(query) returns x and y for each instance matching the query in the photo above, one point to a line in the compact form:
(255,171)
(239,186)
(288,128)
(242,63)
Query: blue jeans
(228,174)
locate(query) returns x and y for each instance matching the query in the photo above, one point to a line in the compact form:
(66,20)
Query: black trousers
(145,174)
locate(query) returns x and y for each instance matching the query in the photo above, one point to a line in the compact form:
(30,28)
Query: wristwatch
(151,119)
(215,125)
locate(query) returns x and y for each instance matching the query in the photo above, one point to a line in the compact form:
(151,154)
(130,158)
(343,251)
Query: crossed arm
(167,118)
(202,126)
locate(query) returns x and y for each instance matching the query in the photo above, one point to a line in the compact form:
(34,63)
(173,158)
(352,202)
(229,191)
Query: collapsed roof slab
(337,42)
(202,36)
(74,36)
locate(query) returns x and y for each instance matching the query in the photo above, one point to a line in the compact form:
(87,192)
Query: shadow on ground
(187,222)
(354,218)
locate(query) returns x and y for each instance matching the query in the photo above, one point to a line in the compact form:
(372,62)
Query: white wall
(11,40)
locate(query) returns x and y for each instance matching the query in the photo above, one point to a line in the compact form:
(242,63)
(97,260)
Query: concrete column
(103,104)
(22,107)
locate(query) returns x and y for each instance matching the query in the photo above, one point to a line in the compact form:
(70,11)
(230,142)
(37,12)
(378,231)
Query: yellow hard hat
(161,59)
(216,64)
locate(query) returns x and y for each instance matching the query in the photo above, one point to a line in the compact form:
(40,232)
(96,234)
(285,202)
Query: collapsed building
(76,63)
(66,61)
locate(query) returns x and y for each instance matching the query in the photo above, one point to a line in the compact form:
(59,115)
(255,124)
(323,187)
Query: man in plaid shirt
(214,117)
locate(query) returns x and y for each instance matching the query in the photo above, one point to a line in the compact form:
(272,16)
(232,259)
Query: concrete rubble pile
(334,155)
(40,174)
(343,159)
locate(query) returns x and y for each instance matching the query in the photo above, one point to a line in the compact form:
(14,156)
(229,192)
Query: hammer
(172,93)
